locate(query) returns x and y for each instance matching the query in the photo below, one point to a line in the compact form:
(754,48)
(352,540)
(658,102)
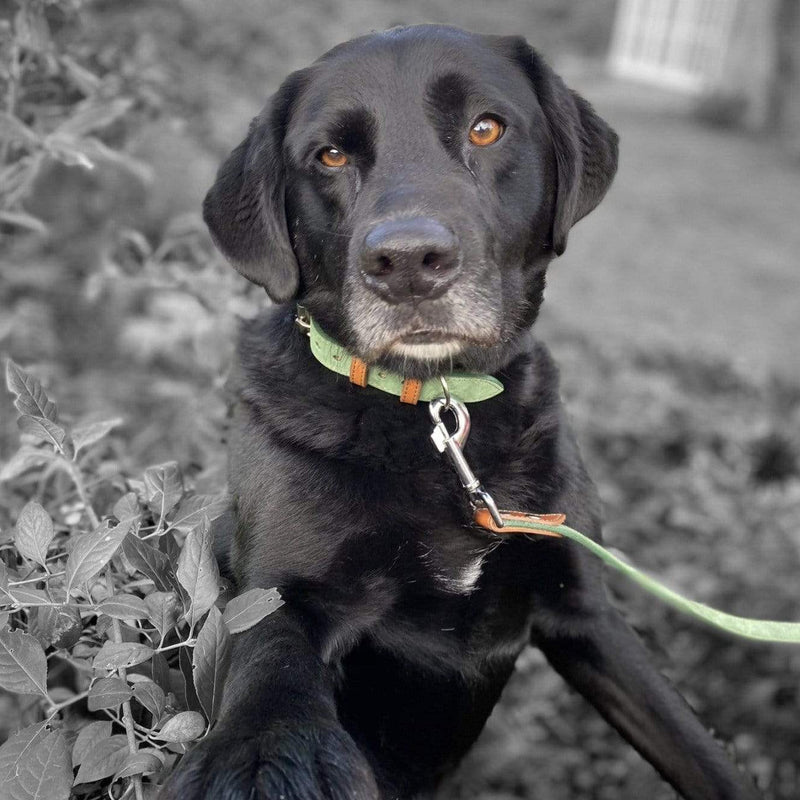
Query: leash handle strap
(548,525)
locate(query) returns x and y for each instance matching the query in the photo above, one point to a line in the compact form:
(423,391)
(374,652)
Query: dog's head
(410,188)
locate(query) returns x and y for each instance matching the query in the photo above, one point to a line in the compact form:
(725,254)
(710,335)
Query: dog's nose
(410,258)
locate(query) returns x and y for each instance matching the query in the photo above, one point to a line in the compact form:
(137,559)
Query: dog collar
(467,387)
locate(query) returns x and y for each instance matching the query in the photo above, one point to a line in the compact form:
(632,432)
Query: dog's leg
(604,660)
(279,735)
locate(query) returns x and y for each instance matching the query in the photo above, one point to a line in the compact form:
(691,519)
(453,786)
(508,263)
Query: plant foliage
(98,598)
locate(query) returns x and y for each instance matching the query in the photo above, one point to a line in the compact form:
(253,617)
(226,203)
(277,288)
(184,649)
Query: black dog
(409,189)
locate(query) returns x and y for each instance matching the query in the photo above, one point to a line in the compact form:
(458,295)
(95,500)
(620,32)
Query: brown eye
(331,157)
(486,131)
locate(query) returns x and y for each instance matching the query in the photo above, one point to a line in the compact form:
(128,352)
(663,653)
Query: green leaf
(184,727)
(87,740)
(152,563)
(87,82)
(160,672)
(23,666)
(94,150)
(192,509)
(113,655)
(185,674)
(163,610)
(163,486)
(104,759)
(91,552)
(59,626)
(89,434)
(108,693)
(198,571)
(34,532)
(144,762)
(45,773)
(13,129)
(90,116)
(22,219)
(69,150)
(18,749)
(27,457)
(127,507)
(247,609)
(124,606)
(30,396)
(31,28)
(210,661)
(25,596)
(87,151)
(44,430)
(151,696)
(169,546)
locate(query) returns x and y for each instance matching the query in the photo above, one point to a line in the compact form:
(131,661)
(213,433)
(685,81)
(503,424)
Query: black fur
(402,621)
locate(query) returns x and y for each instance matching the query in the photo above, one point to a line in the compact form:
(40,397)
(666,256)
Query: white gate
(679,44)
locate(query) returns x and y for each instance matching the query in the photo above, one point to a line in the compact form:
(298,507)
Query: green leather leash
(487,516)
(763,630)
(469,388)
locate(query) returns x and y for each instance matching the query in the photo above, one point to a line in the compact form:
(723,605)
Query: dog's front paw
(286,762)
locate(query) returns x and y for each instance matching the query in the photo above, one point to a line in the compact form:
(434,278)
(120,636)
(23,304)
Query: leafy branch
(126,597)
(30,135)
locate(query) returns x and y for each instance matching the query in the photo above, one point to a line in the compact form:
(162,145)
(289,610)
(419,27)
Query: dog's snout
(410,258)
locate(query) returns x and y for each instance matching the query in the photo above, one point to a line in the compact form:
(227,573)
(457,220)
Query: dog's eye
(331,157)
(486,131)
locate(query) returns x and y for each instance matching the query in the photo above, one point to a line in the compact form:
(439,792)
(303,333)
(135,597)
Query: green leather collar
(467,387)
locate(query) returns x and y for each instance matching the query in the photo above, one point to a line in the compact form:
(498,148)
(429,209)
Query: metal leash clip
(452,445)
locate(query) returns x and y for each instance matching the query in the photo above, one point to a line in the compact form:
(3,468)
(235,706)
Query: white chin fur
(433,351)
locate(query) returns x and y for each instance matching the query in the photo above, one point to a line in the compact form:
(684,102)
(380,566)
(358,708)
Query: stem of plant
(141,737)
(127,715)
(124,794)
(190,642)
(61,706)
(11,93)
(38,578)
(77,479)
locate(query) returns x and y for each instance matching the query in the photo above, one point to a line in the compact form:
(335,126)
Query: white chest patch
(455,564)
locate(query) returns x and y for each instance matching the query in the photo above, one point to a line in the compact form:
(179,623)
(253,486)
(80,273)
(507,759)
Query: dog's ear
(585,145)
(245,208)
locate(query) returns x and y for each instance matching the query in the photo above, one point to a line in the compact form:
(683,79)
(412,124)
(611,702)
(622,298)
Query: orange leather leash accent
(484,519)
(358,372)
(412,389)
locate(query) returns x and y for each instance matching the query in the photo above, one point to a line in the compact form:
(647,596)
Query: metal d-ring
(302,320)
(446,390)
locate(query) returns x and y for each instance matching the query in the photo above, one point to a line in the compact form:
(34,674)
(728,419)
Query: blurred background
(675,313)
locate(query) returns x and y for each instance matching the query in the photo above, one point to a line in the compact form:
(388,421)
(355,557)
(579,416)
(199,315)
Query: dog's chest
(452,557)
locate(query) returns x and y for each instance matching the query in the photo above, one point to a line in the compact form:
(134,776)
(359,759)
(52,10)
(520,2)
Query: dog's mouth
(426,336)
(430,344)
(427,345)
(425,340)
